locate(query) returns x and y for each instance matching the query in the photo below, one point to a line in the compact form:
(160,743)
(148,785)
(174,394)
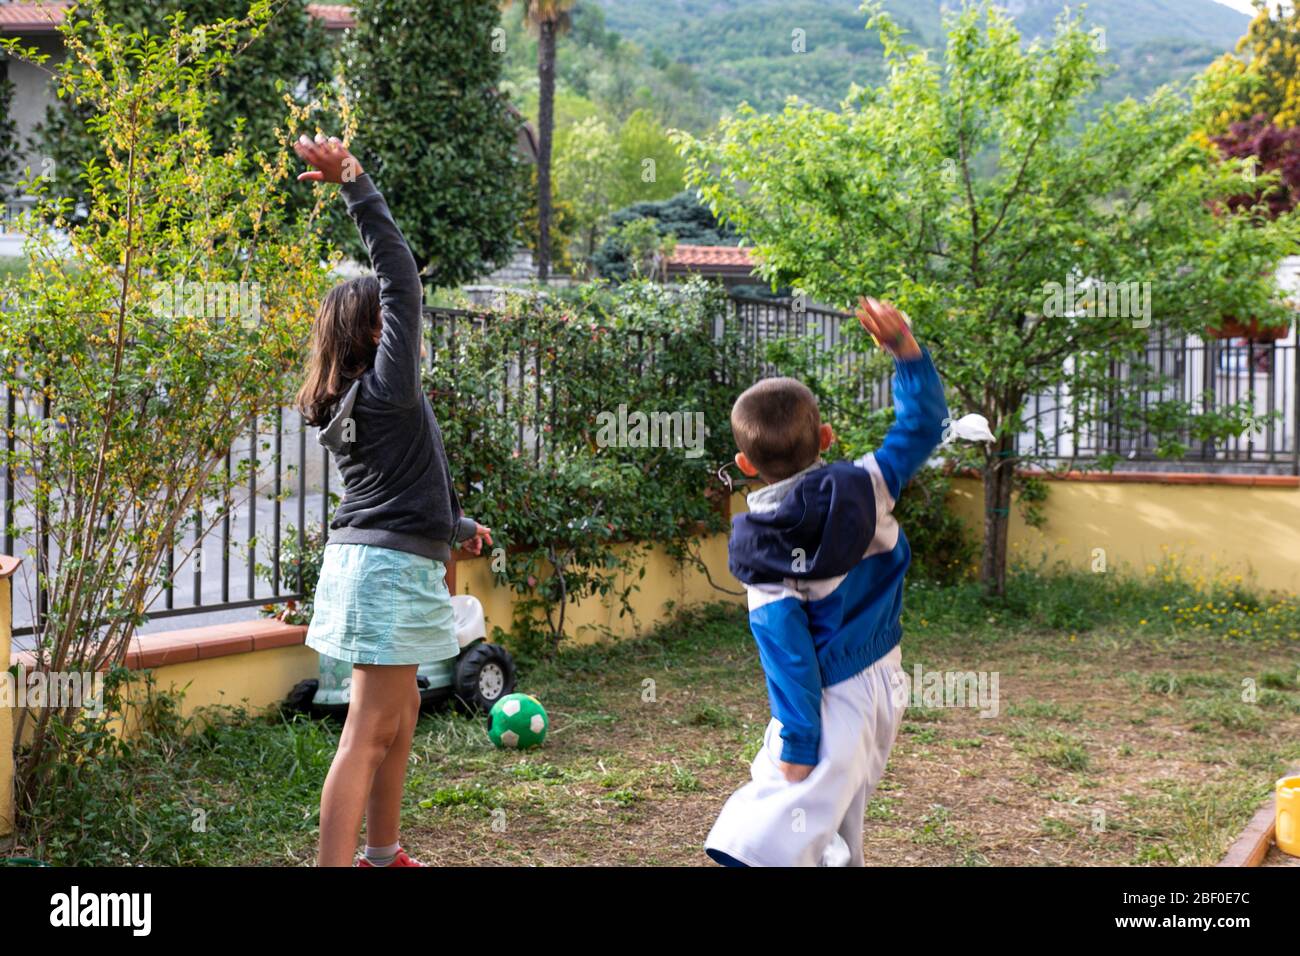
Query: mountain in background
(740,50)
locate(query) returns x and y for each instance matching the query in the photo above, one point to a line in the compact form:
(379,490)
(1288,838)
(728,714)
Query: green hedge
(569,494)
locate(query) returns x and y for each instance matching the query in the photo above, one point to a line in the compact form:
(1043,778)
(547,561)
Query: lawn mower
(476,679)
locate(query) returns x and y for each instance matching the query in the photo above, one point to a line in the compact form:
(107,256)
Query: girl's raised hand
(888,327)
(333,162)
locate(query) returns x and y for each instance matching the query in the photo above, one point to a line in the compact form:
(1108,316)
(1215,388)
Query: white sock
(381,855)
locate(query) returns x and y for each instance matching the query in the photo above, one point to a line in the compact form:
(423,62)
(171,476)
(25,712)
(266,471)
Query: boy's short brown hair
(778,427)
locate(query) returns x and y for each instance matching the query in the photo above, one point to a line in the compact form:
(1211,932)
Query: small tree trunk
(999,476)
(545,127)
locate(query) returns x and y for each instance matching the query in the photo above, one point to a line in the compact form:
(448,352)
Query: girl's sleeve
(401,296)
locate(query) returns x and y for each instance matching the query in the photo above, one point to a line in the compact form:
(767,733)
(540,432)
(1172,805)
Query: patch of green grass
(1169,601)
(678,778)
(1210,712)
(935,829)
(1193,823)
(919,734)
(1174,684)
(524,770)
(1045,710)
(1279,680)
(710,715)
(1278,700)
(1068,756)
(881,809)
(231,788)
(1061,829)
(463,796)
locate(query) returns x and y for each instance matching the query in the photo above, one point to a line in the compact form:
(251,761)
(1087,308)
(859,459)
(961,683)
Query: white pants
(772,822)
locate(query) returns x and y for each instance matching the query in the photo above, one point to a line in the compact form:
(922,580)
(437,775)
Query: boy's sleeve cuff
(800,751)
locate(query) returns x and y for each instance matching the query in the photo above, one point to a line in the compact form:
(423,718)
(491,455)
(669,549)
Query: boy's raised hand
(333,162)
(888,327)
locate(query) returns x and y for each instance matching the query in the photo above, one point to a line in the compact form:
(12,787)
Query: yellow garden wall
(1230,529)
(665,583)
(257,680)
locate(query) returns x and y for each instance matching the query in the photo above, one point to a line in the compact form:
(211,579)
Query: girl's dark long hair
(342,346)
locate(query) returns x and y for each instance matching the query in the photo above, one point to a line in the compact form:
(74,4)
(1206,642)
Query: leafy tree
(548,18)
(681,217)
(9,145)
(643,246)
(436,133)
(967,192)
(288,49)
(613,75)
(1265,83)
(586,173)
(650,167)
(1271,151)
(147,340)
(598,171)
(565,232)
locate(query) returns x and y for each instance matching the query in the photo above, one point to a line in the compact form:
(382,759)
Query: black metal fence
(1206,375)
(828,352)
(229,555)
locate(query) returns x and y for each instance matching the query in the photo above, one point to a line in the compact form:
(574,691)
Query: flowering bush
(143,340)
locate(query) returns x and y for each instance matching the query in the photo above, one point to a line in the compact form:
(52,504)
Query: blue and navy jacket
(822,560)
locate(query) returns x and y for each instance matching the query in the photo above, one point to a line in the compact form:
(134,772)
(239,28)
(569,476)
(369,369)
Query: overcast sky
(1243,5)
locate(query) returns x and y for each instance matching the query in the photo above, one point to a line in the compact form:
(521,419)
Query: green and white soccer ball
(517,722)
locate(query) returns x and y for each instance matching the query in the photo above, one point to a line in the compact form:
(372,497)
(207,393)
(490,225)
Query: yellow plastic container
(1288,815)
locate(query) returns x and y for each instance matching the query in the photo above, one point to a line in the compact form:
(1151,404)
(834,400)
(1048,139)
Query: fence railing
(228,553)
(216,563)
(1205,375)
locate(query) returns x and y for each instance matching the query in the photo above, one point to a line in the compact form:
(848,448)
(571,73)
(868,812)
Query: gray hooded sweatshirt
(398,491)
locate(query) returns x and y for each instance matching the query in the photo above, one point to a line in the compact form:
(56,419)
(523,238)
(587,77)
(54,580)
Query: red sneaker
(400,860)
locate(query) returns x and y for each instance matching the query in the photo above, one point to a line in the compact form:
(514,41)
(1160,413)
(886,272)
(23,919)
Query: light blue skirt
(379,606)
